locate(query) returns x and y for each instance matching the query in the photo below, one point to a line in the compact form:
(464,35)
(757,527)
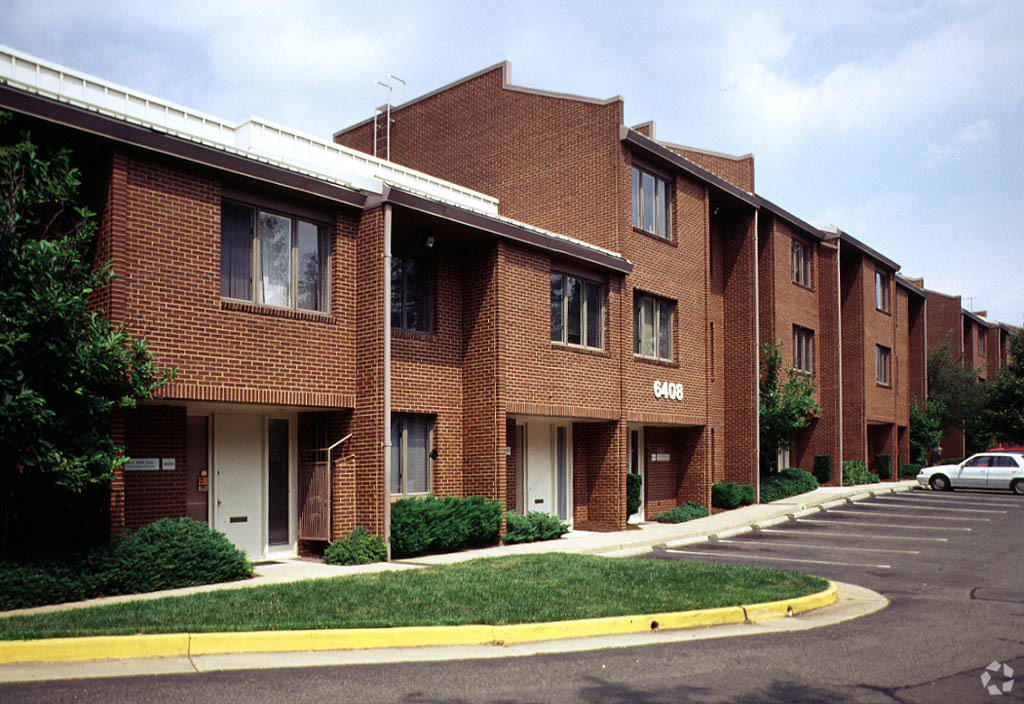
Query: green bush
(431,525)
(634,492)
(883,465)
(532,527)
(357,548)
(823,468)
(856,472)
(731,495)
(789,482)
(167,554)
(682,513)
(952,460)
(910,471)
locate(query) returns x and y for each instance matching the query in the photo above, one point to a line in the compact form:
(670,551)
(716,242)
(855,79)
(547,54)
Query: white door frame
(637,517)
(546,431)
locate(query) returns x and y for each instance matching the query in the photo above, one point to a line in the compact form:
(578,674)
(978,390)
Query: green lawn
(502,590)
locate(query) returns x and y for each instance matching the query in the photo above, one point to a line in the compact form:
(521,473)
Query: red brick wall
(155,432)
(737,170)
(854,364)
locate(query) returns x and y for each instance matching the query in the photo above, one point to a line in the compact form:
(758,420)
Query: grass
(504,590)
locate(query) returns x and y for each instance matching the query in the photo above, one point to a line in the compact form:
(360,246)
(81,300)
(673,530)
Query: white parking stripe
(879,525)
(931,508)
(817,547)
(919,517)
(855,535)
(937,500)
(779,559)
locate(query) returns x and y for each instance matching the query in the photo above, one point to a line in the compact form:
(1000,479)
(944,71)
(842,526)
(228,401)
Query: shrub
(634,492)
(357,548)
(167,554)
(431,525)
(532,527)
(731,495)
(856,472)
(910,471)
(823,468)
(883,465)
(789,482)
(682,513)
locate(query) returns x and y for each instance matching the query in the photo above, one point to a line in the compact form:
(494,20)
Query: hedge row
(430,525)
(789,482)
(910,471)
(357,548)
(856,472)
(731,495)
(683,513)
(164,555)
(532,527)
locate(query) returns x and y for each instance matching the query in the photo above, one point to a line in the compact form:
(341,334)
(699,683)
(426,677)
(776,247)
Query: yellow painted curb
(188,644)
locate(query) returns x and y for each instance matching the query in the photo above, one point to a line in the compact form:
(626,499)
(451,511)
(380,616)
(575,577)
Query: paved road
(949,562)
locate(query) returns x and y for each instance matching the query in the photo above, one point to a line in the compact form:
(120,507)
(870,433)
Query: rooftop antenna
(383,112)
(971,306)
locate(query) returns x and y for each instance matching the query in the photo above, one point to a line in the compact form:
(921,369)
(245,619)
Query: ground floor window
(411,445)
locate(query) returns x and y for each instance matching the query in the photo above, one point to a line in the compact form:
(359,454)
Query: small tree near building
(956,386)
(63,367)
(787,405)
(925,428)
(1003,416)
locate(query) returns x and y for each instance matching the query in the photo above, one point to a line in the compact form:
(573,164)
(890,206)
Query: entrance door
(238,462)
(548,469)
(636,466)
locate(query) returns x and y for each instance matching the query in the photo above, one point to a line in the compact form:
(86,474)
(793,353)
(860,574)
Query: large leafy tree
(956,386)
(63,367)
(1003,416)
(786,402)
(925,427)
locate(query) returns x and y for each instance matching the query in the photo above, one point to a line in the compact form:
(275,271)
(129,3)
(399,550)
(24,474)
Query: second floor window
(651,203)
(883,360)
(803,349)
(273,259)
(981,342)
(882,291)
(577,310)
(652,327)
(412,293)
(801,263)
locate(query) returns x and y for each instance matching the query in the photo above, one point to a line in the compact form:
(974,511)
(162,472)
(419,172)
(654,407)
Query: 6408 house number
(670,390)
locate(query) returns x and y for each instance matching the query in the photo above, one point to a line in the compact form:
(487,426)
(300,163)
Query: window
(801,263)
(882,291)
(882,360)
(651,203)
(412,292)
(411,453)
(577,311)
(652,327)
(803,349)
(981,342)
(272,259)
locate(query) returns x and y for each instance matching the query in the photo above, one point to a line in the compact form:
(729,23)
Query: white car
(999,468)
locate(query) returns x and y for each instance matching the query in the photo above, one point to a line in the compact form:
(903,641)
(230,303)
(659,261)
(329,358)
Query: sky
(902,123)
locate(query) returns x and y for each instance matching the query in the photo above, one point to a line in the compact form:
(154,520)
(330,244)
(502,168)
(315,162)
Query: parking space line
(936,500)
(780,559)
(933,508)
(880,525)
(857,535)
(819,547)
(869,512)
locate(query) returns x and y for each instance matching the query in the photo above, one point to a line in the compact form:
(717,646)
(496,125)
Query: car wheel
(1018,486)
(940,483)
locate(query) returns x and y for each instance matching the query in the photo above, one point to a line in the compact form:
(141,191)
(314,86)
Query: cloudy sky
(900,122)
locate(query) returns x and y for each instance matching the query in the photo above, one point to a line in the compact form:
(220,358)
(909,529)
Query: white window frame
(883,284)
(801,263)
(639,311)
(660,227)
(883,365)
(399,469)
(561,309)
(803,349)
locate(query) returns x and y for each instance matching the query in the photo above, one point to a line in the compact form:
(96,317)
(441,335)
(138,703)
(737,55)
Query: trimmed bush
(634,492)
(883,465)
(731,495)
(856,472)
(532,527)
(823,468)
(430,525)
(910,470)
(357,548)
(167,554)
(789,482)
(682,513)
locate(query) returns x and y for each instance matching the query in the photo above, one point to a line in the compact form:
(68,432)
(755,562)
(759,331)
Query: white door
(539,468)
(238,480)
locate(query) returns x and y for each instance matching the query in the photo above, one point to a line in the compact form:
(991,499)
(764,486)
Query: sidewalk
(637,540)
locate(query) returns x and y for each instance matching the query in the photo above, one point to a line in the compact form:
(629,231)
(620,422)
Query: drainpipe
(839,350)
(757,365)
(387,379)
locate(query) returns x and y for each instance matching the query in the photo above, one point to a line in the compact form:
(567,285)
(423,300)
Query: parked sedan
(985,470)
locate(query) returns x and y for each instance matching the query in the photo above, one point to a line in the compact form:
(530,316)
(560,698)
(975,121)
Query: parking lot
(874,537)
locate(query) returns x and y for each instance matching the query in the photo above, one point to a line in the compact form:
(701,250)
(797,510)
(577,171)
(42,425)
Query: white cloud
(980,131)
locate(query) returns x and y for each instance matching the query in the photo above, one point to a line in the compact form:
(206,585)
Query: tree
(1003,416)
(63,367)
(925,428)
(786,406)
(953,383)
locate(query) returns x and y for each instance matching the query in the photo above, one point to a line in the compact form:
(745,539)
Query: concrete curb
(195,644)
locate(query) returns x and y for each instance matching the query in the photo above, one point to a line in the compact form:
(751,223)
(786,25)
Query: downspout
(757,367)
(839,350)
(387,378)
